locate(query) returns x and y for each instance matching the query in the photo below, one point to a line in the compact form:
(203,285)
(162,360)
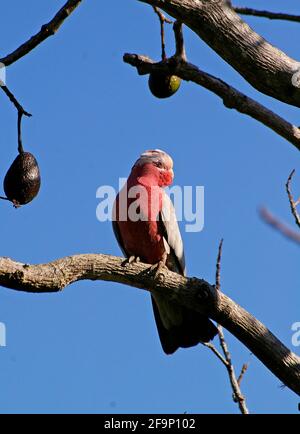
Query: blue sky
(94,347)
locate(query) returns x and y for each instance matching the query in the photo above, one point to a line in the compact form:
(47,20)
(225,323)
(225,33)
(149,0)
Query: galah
(146,227)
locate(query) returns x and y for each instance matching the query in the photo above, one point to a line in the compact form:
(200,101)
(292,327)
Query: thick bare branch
(47,30)
(193,293)
(264,66)
(232,98)
(267,14)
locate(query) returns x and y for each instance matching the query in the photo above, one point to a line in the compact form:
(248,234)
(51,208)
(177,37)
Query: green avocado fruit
(163,85)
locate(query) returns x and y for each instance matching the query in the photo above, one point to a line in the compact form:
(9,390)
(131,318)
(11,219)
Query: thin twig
(267,14)
(235,383)
(293,203)
(162,20)
(20,144)
(15,102)
(281,227)
(47,30)
(218,266)
(226,360)
(238,397)
(216,352)
(242,373)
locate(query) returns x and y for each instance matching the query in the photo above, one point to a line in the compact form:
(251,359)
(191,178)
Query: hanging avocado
(163,85)
(22,181)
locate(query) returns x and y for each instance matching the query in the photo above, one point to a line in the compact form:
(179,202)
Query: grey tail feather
(195,328)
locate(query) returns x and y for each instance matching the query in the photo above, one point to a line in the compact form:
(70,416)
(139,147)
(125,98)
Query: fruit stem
(21,112)
(162,20)
(162,36)
(20,145)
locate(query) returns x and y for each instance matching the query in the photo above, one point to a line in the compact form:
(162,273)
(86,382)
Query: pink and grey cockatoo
(147,229)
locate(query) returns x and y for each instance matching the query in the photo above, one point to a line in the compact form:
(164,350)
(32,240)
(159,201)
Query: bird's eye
(158,164)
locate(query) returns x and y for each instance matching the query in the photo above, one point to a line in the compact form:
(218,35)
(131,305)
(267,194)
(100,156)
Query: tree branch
(193,293)
(47,30)
(281,227)
(232,98)
(14,101)
(293,203)
(162,21)
(216,352)
(242,373)
(226,359)
(180,54)
(267,14)
(235,384)
(21,113)
(264,66)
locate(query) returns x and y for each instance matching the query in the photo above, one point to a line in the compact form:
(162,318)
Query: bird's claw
(159,268)
(130,260)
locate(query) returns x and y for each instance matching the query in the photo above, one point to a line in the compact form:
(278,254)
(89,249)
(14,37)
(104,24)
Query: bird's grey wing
(172,237)
(177,326)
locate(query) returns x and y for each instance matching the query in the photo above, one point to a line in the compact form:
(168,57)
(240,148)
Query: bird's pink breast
(142,237)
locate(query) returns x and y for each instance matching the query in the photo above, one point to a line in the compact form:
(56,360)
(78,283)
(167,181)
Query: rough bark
(193,293)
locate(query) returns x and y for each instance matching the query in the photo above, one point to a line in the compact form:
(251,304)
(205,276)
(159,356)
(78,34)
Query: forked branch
(231,97)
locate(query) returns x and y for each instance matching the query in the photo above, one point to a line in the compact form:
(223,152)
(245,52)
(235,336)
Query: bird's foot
(130,260)
(159,267)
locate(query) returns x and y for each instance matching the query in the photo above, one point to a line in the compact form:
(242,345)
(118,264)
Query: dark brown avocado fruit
(163,85)
(22,181)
